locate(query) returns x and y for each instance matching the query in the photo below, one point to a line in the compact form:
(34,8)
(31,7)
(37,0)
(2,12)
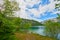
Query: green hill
(33,22)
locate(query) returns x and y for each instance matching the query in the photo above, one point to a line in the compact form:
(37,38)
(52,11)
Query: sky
(38,10)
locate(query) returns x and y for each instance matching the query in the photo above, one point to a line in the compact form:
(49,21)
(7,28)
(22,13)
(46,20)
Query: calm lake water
(38,30)
(35,29)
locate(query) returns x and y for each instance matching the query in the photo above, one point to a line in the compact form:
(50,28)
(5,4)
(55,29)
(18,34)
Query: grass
(31,36)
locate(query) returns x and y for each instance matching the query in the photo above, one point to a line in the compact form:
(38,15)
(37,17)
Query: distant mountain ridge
(33,22)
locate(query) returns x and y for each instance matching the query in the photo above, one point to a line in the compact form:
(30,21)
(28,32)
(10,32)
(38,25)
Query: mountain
(33,22)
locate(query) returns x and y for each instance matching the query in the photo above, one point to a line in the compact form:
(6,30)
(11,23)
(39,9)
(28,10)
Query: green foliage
(52,28)
(7,27)
(58,18)
(57,6)
(9,7)
(16,21)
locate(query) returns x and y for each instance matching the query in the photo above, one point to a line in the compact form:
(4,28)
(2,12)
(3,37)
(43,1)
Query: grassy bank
(29,36)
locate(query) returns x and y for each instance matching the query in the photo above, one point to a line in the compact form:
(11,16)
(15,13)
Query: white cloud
(24,4)
(32,2)
(36,13)
(1,2)
(51,1)
(42,9)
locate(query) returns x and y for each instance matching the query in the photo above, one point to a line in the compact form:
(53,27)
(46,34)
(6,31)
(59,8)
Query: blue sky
(38,10)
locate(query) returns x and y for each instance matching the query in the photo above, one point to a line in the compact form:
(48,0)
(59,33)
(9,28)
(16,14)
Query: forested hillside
(33,22)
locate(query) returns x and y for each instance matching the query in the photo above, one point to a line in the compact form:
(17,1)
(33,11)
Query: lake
(38,30)
(35,29)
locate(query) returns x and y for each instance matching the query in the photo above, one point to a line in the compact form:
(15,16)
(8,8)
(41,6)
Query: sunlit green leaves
(7,26)
(52,28)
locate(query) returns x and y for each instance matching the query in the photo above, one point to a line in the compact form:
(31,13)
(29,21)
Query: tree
(7,27)
(52,28)
(58,18)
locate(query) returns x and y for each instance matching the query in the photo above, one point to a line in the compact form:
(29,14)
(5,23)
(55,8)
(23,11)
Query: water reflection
(40,30)
(34,29)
